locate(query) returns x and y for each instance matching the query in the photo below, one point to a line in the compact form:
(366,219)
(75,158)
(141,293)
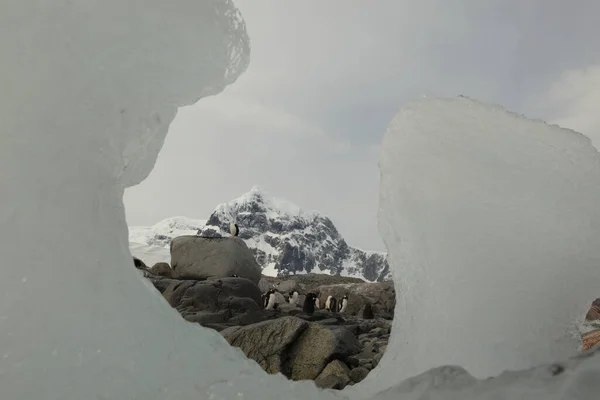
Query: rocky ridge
(287,240)
(334,349)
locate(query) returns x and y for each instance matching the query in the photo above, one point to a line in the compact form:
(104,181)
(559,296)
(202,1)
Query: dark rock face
(195,257)
(333,349)
(267,342)
(381,296)
(233,300)
(300,241)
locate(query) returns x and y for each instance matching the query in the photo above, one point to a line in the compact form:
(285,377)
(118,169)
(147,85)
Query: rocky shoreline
(335,349)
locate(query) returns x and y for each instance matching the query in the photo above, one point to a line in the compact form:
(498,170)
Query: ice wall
(492,222)
(88,91)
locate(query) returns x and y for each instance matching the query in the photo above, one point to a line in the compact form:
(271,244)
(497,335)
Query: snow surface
(92,88)
(151,244)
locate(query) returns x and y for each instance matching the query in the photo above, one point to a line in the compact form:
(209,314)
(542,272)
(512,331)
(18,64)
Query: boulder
(161,284)
(267,342)
(198,258)
(590,339)
(381,295)
(594,312)
(264,285)
(287,286)
(162,269)
(334,376)
(316,347)
(225,299)
(358,374)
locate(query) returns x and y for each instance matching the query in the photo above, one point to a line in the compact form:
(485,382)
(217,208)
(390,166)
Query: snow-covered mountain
(285,239)
(289,240)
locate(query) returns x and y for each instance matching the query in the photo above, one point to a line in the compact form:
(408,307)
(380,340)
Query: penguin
(317,302)
(234,276)
(330,304)
(271,300)
(265,298)
(234,229)
(368,311)
(309,303)
(293,297)
(343,304)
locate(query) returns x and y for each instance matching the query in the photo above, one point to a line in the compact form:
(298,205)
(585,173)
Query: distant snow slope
(284,238)
(151,243)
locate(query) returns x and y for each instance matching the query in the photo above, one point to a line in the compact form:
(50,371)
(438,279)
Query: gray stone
(337,369)
(377,359)
(381,295)
(358,374)
(316,346)
(264,285)
(162,269)
(198,258)
(287,286)
(267,342)
(239,296)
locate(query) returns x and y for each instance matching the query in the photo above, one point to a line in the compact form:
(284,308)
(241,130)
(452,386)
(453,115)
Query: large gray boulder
(381,295)
(267,342)
(235,300)
(198,258)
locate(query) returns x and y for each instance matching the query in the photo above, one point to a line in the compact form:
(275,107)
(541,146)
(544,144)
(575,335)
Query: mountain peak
(287,239)
(257,200)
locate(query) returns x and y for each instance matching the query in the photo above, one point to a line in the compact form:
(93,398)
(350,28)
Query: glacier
(89,90)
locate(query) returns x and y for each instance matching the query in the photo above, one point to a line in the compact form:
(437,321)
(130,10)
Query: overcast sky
(326,77)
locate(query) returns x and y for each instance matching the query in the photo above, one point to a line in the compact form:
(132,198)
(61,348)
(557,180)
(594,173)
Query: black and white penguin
(293,299)
(343,304)
(234,229)
(265,298)
(234,276)
(309,303)
(317,302)
(330,304)
(271,300)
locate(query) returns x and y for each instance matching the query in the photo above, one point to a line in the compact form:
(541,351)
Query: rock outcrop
(380,295)
(590,339)
(334,349)
(216,303)
(287,240)
(593,313)
(199,258)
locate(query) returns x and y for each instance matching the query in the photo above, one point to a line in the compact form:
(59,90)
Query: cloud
(325,79)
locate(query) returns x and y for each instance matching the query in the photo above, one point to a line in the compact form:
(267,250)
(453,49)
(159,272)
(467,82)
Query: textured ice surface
(492,222)
(88,91)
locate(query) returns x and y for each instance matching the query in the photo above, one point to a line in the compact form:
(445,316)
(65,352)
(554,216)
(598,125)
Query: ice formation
(492,221)
(88,91)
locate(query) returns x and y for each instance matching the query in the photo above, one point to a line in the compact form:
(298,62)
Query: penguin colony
(311,302)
